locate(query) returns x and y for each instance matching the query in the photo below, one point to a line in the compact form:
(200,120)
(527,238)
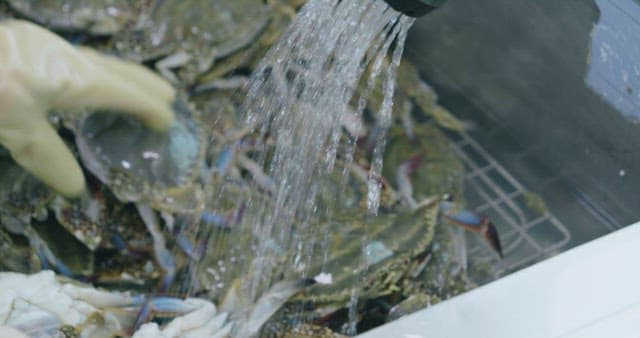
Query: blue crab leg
(223,221)
(48,260)
(193,250)
(225,159)
(120,243)
(167,305)
(170,306)
(215,219)
(162,254)
(163,257)
(258,175)
(143,315)
(474,222)
(228,155)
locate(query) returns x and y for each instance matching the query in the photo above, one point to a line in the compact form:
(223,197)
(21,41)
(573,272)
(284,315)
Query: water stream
(301,94)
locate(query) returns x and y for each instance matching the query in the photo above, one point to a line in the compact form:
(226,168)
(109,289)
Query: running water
(300,95)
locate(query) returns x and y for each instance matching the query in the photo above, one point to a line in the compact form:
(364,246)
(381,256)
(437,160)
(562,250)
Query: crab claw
(474,222)
(490,233)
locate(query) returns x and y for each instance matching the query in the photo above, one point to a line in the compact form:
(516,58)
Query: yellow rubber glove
(40,71)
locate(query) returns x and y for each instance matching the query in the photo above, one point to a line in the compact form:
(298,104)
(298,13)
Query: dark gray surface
(614,62)
(517,68)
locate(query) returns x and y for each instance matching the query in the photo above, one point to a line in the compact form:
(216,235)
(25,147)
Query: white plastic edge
(592,290)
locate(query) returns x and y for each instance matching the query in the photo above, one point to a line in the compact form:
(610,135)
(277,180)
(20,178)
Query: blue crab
(193,198)
(191,35)
(94,17)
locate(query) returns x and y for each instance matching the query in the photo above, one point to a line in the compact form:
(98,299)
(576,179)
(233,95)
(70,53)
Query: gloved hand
(40,71)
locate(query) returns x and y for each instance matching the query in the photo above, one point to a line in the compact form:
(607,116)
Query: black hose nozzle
(415,8)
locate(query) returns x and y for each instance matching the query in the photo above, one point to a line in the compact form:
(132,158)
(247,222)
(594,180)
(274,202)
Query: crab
(419,266)
(191,35)
(93,17)
(96,238)
(158,173)
(416,97)
(154,214)
(103,236)
(387,267)
(412,271)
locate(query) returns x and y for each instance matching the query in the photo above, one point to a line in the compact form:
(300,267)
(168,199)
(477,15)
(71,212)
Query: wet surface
(517,70)
(614,63)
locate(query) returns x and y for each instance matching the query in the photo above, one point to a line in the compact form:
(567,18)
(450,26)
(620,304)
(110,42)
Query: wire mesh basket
(528,231)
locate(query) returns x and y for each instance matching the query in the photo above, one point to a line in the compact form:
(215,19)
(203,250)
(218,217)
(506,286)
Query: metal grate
(527,235)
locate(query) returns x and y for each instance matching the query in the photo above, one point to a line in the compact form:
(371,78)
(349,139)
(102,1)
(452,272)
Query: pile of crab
(160,234)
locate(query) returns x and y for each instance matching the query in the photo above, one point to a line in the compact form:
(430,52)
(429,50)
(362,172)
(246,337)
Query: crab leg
(194,318)
(120,243)
(47,258)
(467,219)
(198,318)
(194,250)
(159,304)
(474,222)
(403,180)
(162,254)
(259,176)
(225,159)
(267,304)
(232,82)
(215,219)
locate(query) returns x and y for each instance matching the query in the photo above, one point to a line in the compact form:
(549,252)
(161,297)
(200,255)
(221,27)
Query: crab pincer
(472,221)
